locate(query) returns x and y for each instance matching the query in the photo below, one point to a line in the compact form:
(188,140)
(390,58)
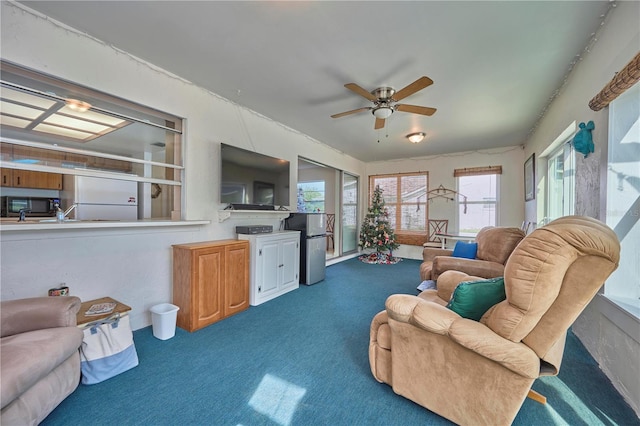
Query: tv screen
(251,178)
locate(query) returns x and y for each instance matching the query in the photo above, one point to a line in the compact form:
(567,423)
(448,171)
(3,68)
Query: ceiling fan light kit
(78,105)
(382,112)
(384,101)
(416,137)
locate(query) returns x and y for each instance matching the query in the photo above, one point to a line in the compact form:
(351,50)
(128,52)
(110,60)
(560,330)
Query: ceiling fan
(384,101)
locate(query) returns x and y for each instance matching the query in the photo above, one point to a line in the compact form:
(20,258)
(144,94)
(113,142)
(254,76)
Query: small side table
(82,319)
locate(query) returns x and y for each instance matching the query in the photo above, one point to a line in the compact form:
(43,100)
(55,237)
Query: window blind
(624,79)
(476,171)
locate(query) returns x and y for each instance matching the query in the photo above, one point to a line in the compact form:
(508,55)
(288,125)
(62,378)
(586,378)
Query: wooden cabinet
(41,155)
(27,178)
(210,281)
(37,180)
(275,264)
(43,180)
(91,162)
(30,179)
(7,177)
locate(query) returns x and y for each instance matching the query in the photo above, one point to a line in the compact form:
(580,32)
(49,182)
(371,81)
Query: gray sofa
(39,357)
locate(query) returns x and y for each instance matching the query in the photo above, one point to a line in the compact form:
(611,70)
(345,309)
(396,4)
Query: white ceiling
(495,65)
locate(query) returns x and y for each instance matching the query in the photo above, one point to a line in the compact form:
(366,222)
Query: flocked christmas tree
(376,233)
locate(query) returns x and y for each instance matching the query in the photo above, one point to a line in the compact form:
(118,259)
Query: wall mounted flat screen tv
(253,180)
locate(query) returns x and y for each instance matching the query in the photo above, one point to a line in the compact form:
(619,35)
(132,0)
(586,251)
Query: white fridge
(100,198)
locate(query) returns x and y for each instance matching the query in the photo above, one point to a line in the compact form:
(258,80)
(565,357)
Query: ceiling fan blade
(353,111)
(379,123)
(419,84)
(415,109)
(360,91)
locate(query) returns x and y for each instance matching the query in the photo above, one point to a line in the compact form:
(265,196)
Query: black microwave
(33,206)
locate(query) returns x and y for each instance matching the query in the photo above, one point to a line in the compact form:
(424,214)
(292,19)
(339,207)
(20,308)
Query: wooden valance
(624,79)
(476,171)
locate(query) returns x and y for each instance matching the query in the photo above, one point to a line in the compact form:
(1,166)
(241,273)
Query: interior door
(349,216)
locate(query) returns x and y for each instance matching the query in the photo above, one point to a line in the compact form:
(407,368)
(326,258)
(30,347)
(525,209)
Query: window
(623,198)
(561,182)
(53,126)
(480,187)
(405,197)
(311,197)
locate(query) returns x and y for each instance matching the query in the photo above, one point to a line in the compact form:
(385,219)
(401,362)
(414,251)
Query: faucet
(62,214)
(70,209)
(23,214)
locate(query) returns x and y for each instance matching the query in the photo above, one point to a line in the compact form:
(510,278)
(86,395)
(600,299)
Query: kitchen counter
(33,224)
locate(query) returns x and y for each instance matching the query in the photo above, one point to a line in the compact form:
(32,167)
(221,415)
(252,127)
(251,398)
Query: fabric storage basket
(107,349)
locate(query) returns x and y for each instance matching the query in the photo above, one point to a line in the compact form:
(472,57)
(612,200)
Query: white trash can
(163,320)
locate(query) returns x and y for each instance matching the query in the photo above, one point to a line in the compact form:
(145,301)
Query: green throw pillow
(471,299)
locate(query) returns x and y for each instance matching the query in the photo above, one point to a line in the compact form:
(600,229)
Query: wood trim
(624,79)
(477,171)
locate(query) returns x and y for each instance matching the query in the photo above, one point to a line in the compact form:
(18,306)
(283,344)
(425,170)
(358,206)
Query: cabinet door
(7,177)
(38,180)
(48,180)
(267,267)
(290,263)
(236,291)
(25,179)
(208,283)
(52,180)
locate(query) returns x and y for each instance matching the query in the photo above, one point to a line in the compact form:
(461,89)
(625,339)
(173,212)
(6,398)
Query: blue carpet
(302,359)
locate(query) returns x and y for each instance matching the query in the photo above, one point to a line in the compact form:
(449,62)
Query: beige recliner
(474,372)
(39,357)
(495,244)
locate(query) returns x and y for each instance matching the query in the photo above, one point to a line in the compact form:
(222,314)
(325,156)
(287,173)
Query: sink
(56,220)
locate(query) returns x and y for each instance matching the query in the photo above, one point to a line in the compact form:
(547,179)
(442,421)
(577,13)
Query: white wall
(134,265)
(440,168)
(611,335)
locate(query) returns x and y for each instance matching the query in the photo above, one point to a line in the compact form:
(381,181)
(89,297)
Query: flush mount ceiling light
(382,112)
(416,137)
(77,105)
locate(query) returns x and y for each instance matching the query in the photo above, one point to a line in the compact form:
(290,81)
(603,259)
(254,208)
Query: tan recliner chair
(495,245)
(39,357)
(476,373)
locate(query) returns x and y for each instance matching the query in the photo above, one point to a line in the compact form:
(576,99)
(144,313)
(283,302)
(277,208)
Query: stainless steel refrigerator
(313,244)
(100,198)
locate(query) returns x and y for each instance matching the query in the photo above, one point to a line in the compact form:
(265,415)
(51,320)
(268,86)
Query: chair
(495,245)
(436,226)
(480,372)
(527,226)
(331,221)
(40,364)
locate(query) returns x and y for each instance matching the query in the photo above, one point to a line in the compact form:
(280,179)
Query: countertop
(34,224)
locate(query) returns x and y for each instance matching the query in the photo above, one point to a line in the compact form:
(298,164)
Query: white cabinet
(274,264)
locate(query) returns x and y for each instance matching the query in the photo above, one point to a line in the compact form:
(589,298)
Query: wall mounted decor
(448,194)
(530,178)
(582,141)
